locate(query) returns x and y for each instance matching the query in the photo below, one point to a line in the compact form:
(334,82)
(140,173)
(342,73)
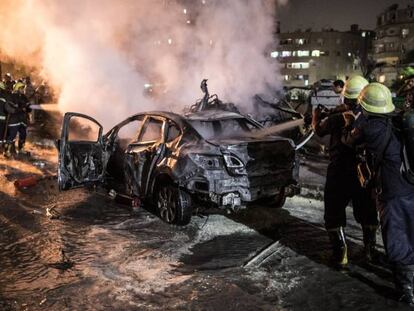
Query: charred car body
(176,161)
(212,155)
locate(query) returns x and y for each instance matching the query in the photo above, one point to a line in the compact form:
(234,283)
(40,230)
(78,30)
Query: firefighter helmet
(376,98)
(407,72)
(353,86)
(18,86)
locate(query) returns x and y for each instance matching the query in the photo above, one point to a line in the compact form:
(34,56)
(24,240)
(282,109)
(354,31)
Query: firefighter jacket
(21,108)
(5,106)
(370,130)
(334,125)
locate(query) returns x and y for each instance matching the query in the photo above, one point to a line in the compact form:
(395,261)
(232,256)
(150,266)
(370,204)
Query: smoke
(99,54)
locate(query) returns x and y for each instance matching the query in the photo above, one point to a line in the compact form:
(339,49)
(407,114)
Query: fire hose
(283,127)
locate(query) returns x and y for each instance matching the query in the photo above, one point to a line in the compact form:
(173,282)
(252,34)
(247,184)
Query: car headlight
(234,164)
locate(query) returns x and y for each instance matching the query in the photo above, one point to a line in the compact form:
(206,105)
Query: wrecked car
(177,162)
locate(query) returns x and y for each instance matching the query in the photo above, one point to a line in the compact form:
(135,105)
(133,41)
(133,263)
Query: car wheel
(174,205)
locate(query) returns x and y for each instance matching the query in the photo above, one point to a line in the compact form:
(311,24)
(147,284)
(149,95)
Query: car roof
(208,115)
(179,119)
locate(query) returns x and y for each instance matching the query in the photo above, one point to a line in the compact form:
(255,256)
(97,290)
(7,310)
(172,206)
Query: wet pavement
(79,250)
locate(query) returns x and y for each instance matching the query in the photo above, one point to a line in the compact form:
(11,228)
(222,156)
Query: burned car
(177,162)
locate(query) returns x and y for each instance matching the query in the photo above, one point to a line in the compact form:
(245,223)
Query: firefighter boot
(20,147)
(339,247)
(8,150)
(404,278)
(370,240)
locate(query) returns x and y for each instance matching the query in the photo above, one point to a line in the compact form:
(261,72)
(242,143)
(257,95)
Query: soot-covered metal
(176,162)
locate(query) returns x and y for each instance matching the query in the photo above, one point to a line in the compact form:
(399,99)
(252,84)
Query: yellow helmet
(376,98)
(353,86)
(17,86)
(2,86)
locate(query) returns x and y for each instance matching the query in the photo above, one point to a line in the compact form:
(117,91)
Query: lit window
(316,53)
(363,34)
(300,41)
(349,54)
(274,54)
(286,77)
(306,82)
(405,32)
(300,65)
(303,53)
(286,53)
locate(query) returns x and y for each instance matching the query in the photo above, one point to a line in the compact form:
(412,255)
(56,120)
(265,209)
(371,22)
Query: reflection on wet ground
(96,255)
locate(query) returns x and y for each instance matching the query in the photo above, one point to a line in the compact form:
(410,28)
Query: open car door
(82,152)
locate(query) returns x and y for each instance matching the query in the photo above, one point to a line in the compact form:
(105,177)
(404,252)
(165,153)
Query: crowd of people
(367,167)
(16,96)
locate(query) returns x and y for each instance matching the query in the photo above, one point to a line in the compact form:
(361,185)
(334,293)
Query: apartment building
(394,41)
(309,56)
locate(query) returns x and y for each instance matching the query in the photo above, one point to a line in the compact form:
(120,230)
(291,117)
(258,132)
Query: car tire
(173,205)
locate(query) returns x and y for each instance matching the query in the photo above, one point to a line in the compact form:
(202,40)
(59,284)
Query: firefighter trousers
(13,130)
(341,188)
(397,226)
(3,127)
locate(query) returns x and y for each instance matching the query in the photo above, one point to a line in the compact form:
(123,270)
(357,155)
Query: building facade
(307,57)
(393,43)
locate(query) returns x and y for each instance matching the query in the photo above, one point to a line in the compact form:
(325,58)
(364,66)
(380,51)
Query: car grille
(270,163)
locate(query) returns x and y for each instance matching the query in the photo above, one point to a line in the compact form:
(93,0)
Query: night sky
(337,14)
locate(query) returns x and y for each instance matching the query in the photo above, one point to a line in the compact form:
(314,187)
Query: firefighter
(18,120)
(3,114)
(342,184)
(29,90)
(8,82)
(395,195)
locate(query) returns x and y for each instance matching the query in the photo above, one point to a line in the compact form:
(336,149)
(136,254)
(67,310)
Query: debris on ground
(52,213)
(24,183)
(261,258)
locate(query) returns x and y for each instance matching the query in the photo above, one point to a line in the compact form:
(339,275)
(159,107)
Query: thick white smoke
(100,53)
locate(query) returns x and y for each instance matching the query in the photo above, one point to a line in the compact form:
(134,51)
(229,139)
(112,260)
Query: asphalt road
(94,254)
